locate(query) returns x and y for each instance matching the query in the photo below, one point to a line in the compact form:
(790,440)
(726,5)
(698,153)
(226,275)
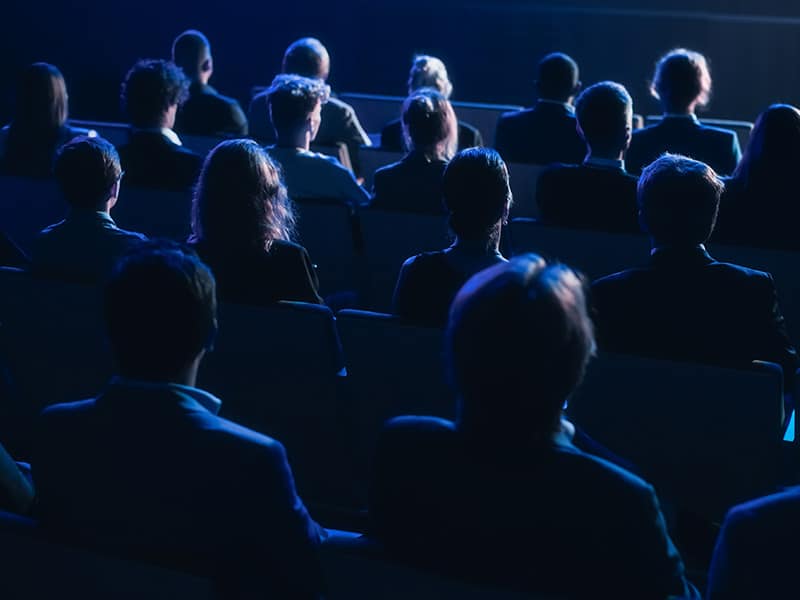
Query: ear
(578,87)
(113,195)
(212,337)
(206,66)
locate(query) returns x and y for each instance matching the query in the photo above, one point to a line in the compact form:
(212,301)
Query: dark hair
(681,78)
(292,98)
(160,310)
(86,168)
(150,88)
(557,77)
(306,57)
(240,200)
(476,194)
(678,200)
(430,124)
(604,113)
(189,51)
(517,345)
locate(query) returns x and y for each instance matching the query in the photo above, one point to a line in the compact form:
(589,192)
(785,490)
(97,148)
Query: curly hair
(150,88)
(292,98)
(682,77)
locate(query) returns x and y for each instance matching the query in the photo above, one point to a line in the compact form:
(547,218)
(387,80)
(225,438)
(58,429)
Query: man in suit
(205,112)
(684,305)
(599,194)
(545,133)
(148,470)
(502,496)
(86,245)
(154,155)
(682,82)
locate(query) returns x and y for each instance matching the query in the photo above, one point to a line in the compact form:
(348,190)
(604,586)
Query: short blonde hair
(429,71)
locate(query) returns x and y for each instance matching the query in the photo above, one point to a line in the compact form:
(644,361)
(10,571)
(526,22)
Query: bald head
(191,51)
(307,57)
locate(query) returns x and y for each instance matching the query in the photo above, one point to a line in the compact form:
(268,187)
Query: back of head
(681,79)
(678,200)
(150,88)
(240,200)
(773,151)
(292,99)
(429,72)
(557,77)
(517,344)
(160,311)
(86,169)
(476,193)
(430,124)
(307,57)
(191,51)
(605,114)
(41,99)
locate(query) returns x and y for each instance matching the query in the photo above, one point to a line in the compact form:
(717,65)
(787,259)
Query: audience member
(500,496)
(295,105)
(682,82)
(205,112)
(477,198)
(242,223)
(16,491)
(415,183)
(86,245)
(427,72)
(761,203)
(545,133)
(599,194)
(684,305)
(154,155)
(148,470)
(39,127)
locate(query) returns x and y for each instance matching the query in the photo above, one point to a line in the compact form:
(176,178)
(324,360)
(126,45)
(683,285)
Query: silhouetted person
(154,155)
(415,183)
(428,72)
(502,496)
(477,198)
(295,105)
(205,112)
(682,82)
(599,194)
(39,127)
(16,491)
(242,227)
(546,132)
(148,470)
(684,305)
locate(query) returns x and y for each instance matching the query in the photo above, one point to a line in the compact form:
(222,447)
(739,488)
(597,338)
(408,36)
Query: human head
(429,124)
(41,98)
(605,118)
(517,344)
(477,194)
(429,72)
(682,81)
(307,57)
(160,312)
(152,92)
(557,78)
(678,200)
(88,172)
(773,151)
(191,51)
(295,103)
(240,200)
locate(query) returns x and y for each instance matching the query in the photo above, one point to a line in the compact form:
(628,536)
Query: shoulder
(774,508)
(746,274)
(287,249)
(67,410)
(388,170)
(416,432)
(719,133)
(610,283)
(602,474)
(513,117)
(424,260)
(227,434)
(336,106)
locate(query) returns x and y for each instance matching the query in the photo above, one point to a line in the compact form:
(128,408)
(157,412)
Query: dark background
(491,48)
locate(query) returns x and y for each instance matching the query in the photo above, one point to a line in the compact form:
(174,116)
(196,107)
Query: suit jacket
(151,160)
(392,136)
(414,184)
(207,112)
(540,135)
(589,197)
(718,148)
(149,471)
(685,305)
(541,517)
(12,255)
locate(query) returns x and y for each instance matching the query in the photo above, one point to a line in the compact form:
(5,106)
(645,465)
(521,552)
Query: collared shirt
(165,131)
(690,117)
(605,163)
(570,109)
(656,249)
(205,399)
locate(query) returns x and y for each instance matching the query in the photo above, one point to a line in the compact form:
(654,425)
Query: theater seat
(523,179)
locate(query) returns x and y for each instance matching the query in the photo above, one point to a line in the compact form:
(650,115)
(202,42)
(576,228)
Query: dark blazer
(392,136)
(540,135)
(207,112)
(541,517)
(285,272)
(718,148)
(150,471)
(12,255)
(33,156)
(413,184)
(589,197)
(685,305)
(151,160)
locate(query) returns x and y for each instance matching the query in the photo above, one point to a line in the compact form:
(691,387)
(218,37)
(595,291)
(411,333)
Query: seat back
(523,179)
(116,133)
(482,116)
(373,159)
(155,213)
(373,110)
(27,206)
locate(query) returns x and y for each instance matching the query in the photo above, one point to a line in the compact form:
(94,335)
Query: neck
(681,110)
(298,140)
(605,155)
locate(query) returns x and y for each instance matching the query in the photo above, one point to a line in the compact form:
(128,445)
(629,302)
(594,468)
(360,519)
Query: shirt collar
(605,163)
(661,249)
(689,117)
(166,132)
(567,106)
(83,214)
(205,399)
